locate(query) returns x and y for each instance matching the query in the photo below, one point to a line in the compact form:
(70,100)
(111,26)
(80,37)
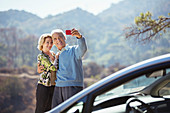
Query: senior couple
(66,62)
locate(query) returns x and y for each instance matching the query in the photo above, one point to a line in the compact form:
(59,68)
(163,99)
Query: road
(19,75)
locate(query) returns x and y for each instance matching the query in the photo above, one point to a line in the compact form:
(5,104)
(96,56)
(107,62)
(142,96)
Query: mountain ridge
(103,31)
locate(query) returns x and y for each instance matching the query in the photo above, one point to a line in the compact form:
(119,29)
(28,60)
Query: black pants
(44,96)
(63,93)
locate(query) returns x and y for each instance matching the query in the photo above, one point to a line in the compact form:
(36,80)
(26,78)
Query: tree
(146,28)
(9,39)
(17,48)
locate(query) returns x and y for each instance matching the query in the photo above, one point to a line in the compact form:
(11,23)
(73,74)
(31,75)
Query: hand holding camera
(73,32)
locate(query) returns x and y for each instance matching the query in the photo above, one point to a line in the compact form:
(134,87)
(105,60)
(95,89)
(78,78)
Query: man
(70,73)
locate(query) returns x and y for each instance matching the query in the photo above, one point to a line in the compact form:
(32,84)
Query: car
(140,88)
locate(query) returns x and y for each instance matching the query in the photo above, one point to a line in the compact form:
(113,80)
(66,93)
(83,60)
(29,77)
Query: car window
(168,70)
(130,87)
(77,108)
(133,85)
(165,90)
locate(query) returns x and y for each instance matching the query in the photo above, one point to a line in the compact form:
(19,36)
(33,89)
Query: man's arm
(81,47)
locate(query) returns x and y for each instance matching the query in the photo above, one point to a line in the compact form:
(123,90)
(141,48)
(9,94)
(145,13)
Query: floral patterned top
(45,61)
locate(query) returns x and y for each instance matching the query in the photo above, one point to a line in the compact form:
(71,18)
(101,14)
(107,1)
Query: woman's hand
(52,57)
(57,55)
(40,68)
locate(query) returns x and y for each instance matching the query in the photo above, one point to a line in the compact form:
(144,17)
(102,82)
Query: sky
(43,8)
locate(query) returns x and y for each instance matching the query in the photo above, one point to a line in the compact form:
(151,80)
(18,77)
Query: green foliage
(3,61)
(147,28)
(145,21)
(17,49)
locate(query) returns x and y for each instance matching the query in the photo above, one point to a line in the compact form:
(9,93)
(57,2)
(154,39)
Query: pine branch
(146,29)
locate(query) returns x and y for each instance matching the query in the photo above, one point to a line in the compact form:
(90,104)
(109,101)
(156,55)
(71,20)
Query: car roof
(150,62)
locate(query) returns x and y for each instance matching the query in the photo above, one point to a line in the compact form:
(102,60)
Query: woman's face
(47,44)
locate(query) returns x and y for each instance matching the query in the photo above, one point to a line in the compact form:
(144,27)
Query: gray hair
(58,31)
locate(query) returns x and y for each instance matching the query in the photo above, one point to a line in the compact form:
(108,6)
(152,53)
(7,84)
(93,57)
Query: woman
(46,83)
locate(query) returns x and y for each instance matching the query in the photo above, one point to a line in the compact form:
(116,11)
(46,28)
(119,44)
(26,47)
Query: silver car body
(160,60)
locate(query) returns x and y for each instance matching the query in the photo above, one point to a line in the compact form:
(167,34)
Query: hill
(103,32)
(14,18)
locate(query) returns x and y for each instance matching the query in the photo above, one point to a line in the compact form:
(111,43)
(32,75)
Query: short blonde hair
(58,31)
(42,40)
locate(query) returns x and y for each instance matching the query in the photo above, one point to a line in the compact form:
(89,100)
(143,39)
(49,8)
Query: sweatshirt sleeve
(81,48)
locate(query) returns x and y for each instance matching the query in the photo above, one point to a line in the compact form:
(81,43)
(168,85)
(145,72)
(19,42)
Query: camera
(68,32)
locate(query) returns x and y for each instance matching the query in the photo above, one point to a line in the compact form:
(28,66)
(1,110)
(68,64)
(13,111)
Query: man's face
(59,40)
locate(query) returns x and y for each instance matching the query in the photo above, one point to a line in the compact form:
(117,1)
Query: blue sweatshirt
(70,72)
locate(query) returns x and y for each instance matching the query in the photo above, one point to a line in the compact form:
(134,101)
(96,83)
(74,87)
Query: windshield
(132,86)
